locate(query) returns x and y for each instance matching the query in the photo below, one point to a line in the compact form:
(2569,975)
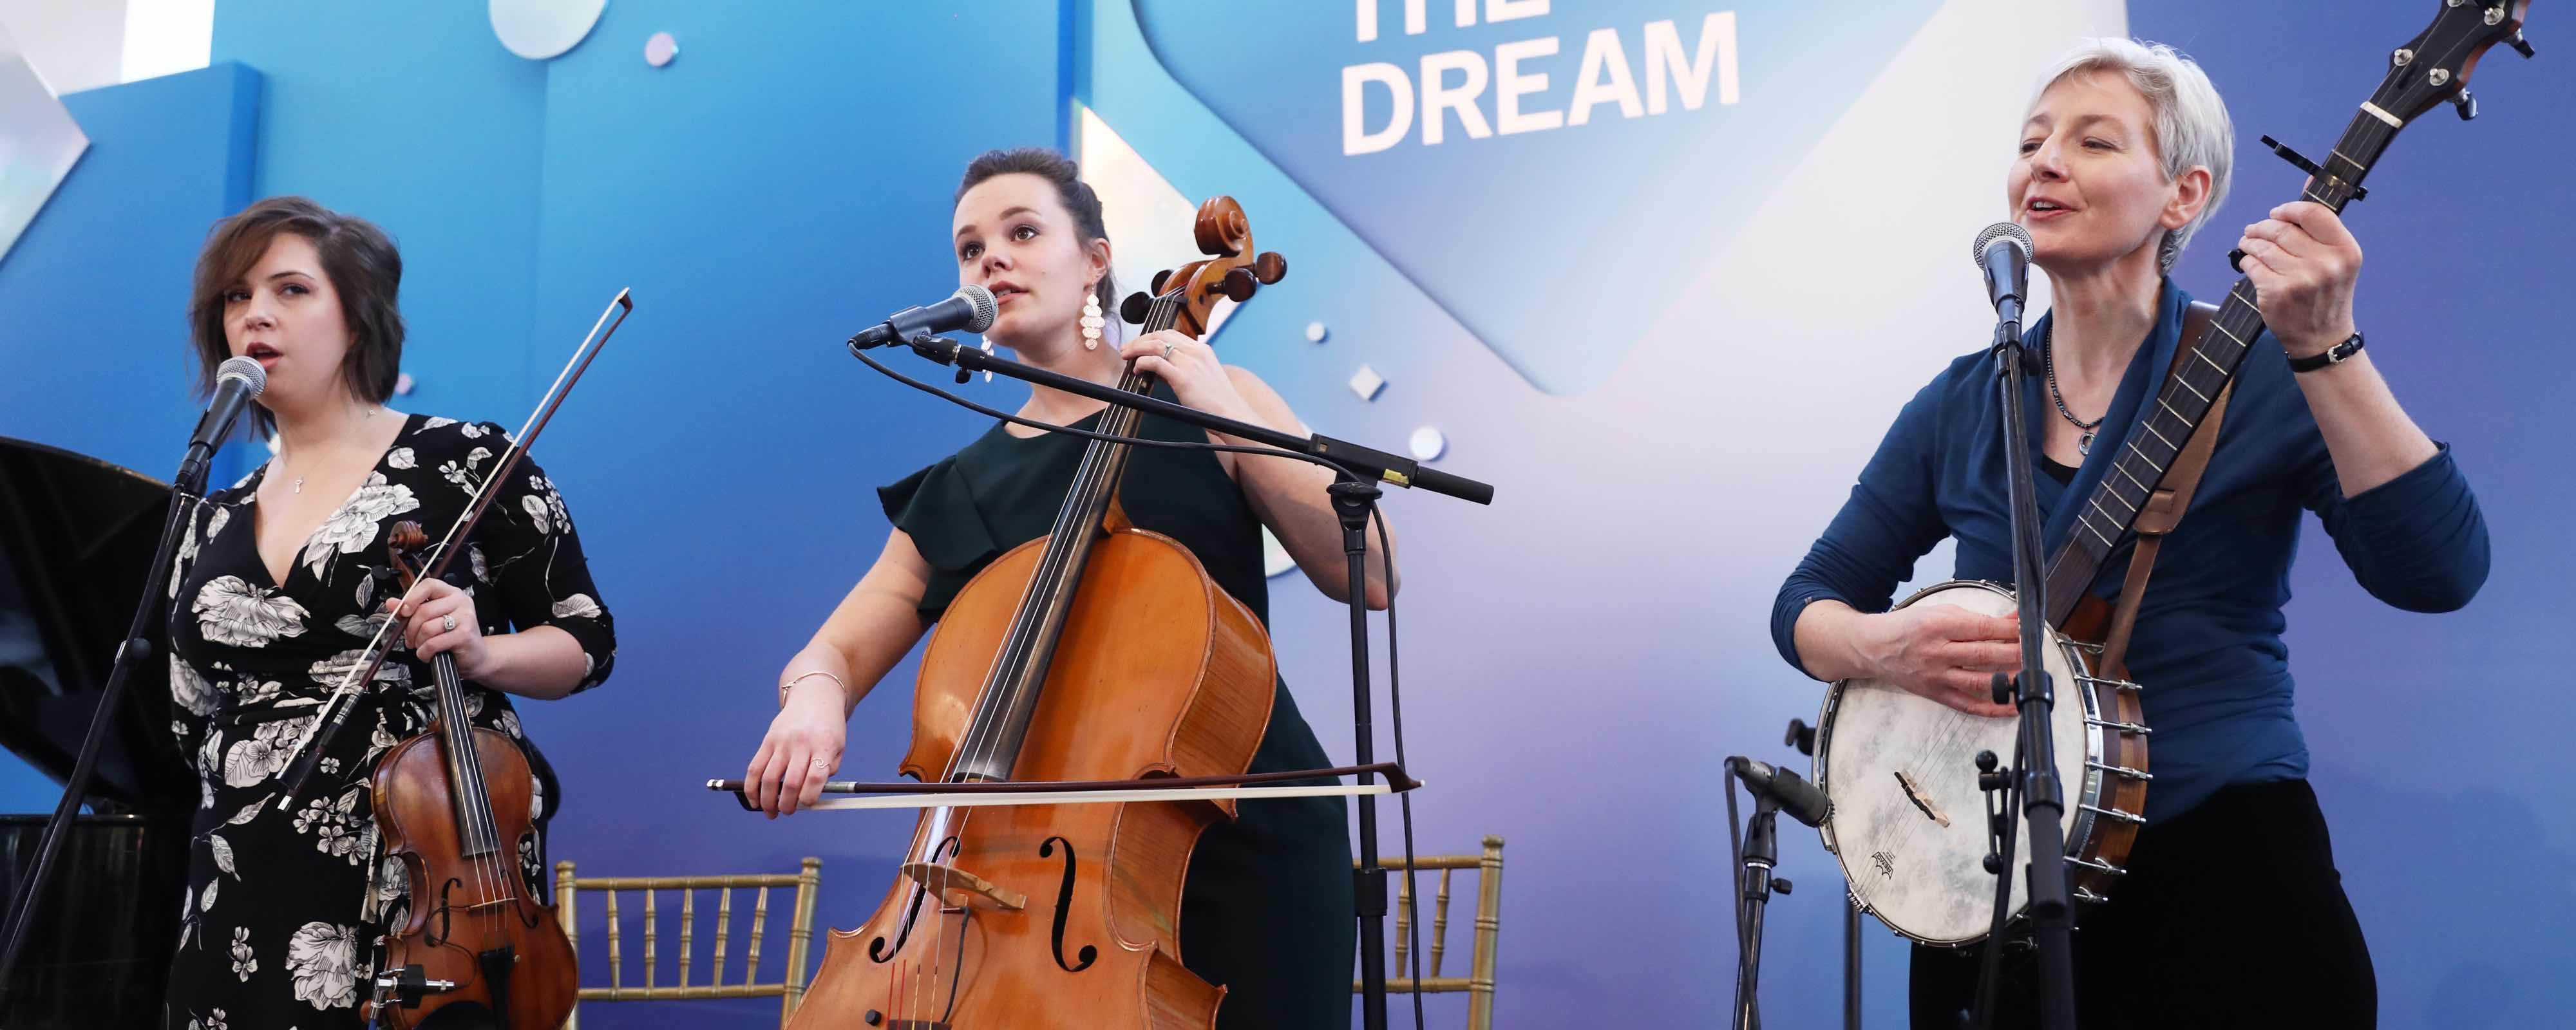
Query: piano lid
(75,536)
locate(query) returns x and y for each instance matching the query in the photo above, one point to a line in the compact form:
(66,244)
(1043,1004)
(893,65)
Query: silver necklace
(2048,357)
(371,413)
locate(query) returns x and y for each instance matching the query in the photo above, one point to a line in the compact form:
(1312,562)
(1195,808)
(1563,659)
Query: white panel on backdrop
(1847,290)
(1148,220)
(39,142)
(166,37)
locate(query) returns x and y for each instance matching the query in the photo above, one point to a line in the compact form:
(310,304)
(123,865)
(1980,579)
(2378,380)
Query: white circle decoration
(541,29)
(659,50)
(1315,332)
(1427,444)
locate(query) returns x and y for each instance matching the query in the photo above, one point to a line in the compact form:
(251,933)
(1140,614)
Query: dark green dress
(1267,908)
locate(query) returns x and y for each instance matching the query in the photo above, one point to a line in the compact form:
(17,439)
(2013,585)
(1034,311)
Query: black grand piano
(75,535)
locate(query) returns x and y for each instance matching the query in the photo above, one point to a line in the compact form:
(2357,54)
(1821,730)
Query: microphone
(2003,254)
(237,380)
(1795,796)
(970,309)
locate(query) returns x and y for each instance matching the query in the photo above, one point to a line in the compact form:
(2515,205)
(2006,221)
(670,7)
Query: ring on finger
(1167,352)
(448,623)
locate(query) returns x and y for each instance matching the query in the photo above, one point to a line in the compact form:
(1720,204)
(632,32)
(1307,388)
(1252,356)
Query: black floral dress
(285,911)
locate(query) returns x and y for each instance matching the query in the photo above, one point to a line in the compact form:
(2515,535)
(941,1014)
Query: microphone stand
(131,654)
(2033,778)
(1761,852)
(1352,499)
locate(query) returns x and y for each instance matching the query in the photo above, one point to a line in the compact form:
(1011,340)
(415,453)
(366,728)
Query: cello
(452,804)
(1097,652)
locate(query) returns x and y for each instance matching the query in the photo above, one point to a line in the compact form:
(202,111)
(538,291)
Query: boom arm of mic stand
(1370,462)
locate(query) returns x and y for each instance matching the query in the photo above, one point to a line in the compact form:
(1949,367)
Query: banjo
(1909,821)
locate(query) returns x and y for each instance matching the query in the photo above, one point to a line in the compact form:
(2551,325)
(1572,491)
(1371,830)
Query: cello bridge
(957,888)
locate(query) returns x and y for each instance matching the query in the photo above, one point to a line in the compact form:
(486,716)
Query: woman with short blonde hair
(2231,913)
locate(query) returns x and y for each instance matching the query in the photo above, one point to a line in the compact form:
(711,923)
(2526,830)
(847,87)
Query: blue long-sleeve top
(2208,641)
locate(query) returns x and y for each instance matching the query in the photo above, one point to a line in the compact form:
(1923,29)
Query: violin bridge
(957,888)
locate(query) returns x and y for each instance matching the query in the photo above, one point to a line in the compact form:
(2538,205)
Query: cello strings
(1102,463)
(894,976)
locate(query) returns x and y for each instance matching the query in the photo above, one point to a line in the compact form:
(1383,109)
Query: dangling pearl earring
(1091,320)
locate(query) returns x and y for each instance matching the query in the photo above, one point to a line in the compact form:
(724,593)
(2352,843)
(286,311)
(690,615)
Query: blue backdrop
(1578,667)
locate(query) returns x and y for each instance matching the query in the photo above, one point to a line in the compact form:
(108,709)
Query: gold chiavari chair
(1478,984)
(790,988)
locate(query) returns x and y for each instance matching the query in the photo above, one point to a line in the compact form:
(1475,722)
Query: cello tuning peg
(1240,284)
(1135,307)
(2520,45)
(1270,267)
(2467,105)
(1159,279)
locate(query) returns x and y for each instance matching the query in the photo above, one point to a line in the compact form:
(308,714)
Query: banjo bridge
(1922,801)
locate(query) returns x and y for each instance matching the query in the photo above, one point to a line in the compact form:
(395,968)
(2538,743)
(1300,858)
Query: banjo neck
(2166,425)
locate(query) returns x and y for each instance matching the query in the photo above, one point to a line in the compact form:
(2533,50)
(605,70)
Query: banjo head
(1909,824)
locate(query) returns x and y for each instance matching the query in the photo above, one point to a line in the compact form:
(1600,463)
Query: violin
(451,804)
(1097,652)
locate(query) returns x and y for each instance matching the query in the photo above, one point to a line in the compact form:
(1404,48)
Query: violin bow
(317,736)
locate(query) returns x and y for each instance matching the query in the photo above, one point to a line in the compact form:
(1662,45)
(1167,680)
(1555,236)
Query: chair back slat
(800,930)
(1404,919)
(616,966)
(724,923)
(1440,922)
(688,924)
(790,988)
(652,928)
(759,925)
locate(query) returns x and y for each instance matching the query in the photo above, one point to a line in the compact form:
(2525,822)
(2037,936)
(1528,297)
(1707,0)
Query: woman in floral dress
(281,581)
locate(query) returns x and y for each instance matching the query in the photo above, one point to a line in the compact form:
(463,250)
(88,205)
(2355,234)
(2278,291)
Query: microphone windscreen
(246,370)
(2011,231)
(982,299)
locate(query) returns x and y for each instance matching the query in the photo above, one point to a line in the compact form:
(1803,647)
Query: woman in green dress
(1266,911)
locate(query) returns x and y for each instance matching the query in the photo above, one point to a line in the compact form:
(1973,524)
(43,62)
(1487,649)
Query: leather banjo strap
(2165,507)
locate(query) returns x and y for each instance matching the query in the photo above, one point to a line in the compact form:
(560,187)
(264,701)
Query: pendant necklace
(2048,357)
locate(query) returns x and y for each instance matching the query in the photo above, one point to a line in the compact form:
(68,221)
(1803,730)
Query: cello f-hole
(881,953)
(1064,907)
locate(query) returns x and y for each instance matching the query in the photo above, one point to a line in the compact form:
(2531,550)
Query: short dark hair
(1060,172)
(365,271)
